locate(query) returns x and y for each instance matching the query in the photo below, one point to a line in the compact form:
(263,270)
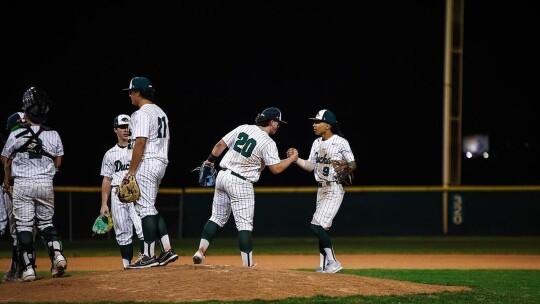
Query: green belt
(234,173)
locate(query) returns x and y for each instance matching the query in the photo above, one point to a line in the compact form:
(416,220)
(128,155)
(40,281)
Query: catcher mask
(36,104)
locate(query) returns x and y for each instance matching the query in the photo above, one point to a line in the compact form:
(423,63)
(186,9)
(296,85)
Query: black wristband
(211,158)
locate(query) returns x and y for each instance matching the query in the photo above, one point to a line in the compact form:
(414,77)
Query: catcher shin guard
(25,250)
(52,241)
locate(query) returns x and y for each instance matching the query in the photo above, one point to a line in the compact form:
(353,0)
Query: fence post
(181,214)
(70,218)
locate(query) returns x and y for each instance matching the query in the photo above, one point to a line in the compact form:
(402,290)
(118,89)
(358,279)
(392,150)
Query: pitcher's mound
(178,283)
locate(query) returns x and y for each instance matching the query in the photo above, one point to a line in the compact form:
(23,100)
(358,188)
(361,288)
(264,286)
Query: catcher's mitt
(344,172)
(207,175)
(129,190)
(102,224)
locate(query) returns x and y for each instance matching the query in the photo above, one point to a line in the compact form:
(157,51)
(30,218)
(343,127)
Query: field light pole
(453,87)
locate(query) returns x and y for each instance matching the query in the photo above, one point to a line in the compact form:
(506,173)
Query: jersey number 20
(244,145)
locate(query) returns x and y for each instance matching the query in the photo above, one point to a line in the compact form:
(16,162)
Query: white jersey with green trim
(250,150)
(31,165)
(324,151)
(151,122)
(115,164)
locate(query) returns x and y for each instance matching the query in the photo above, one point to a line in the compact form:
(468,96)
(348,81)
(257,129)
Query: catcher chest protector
(33,145)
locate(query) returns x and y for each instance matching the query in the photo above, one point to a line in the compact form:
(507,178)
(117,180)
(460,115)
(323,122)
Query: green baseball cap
(14,121)
(326,116)
(139,84)
(121,120)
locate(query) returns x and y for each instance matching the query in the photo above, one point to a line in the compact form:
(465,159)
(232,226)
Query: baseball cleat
(59,266)
(333,267)
(198,258)
(144,261)
(167,257)
(28,275)
(11,276)
(319,269)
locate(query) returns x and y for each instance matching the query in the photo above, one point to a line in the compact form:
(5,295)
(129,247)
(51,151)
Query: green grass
(104,246)
(489,286)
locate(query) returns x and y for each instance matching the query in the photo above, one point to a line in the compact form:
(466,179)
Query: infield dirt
(222,278)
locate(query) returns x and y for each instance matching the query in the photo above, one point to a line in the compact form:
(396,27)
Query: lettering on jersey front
(119,166)
(244,145)
(325,161)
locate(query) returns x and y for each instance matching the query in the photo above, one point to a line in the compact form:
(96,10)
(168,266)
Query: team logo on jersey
(119,166)
(321,159)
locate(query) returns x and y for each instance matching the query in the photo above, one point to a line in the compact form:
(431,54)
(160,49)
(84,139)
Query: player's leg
(328,202)
(123,229)
(13,272)
(242,198)
(136,220)
(221,210)
(24,212)
(167,252)
(44,204)
(147,178)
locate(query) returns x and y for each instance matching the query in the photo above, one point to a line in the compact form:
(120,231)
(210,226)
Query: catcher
(332,161)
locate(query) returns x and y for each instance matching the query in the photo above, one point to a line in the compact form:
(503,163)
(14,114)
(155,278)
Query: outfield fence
(365,211)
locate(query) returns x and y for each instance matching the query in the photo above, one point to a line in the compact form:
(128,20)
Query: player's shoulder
(338,139)
(113,149)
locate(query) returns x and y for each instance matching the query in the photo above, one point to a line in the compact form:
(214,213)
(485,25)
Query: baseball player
(14,122)
(330,146)
(250,149)
(148,148)
(113,168)
(34,154)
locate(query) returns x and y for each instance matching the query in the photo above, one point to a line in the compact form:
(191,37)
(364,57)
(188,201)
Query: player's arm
(57,162)
(304,164)
(105,193)
(7,173)
(218,148)
(138,151)
(284,163)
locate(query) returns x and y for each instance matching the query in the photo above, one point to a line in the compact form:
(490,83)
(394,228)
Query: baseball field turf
(487,285)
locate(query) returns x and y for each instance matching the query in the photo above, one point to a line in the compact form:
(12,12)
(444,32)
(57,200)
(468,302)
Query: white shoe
(28,275)
(319,269)
(198,258)
(59,266)
(333,267)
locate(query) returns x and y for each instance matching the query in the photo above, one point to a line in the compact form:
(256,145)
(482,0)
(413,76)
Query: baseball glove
(344,173)
(102,224)
(207,175)
(129,190)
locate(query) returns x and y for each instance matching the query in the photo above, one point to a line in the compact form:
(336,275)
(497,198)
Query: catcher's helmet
(36,104)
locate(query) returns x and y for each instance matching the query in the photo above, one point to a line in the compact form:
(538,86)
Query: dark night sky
(216,64)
